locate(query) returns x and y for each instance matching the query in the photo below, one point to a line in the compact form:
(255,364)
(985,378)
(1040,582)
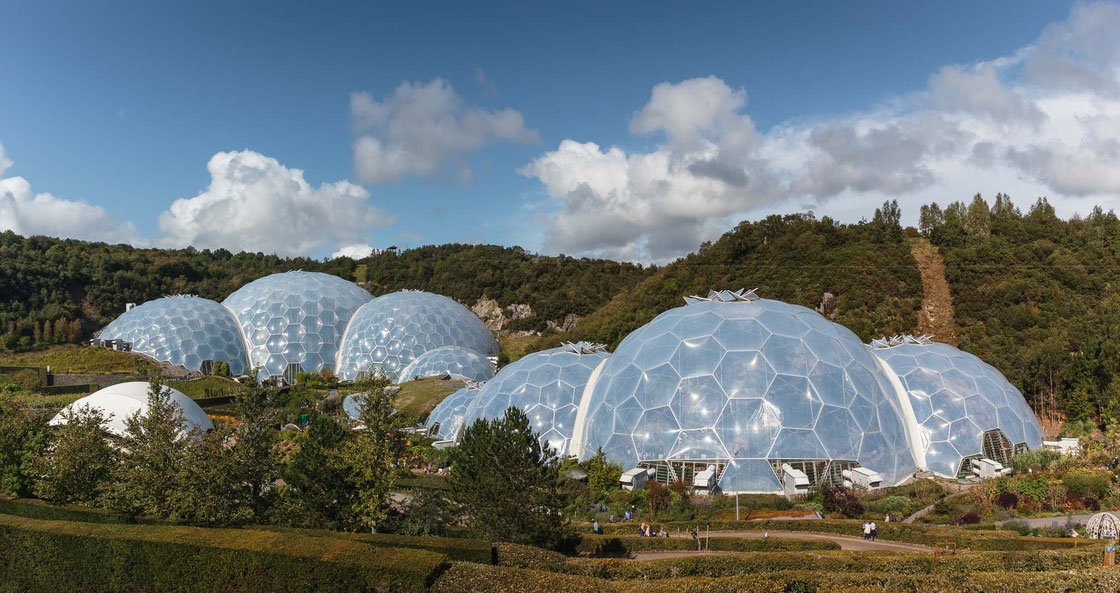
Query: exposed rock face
(520,311)
(569,322)
(827,307)
(490,313)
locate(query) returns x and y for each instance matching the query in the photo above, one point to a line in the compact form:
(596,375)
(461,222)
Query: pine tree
(373,450)
(320,493)
(208,491)
(254,438)
(152,452)
(508,483)
(48,332)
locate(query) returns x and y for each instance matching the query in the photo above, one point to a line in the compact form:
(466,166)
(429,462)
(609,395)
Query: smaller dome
(394,329)
(451,413)
(1103,526)
(119,402)
(548,386)
(184,330)
(461,363)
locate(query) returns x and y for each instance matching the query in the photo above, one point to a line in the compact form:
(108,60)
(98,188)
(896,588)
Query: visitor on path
(648,530)
(661,533)
(642,529)
(866,530)
(596,529)
(627,514)
(696,538)
(874,531)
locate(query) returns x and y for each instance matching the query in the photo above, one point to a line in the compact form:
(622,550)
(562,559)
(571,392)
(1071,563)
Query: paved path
(1060,519)
(919,513)
(847,542)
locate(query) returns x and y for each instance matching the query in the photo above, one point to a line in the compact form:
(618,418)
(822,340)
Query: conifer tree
(79,460)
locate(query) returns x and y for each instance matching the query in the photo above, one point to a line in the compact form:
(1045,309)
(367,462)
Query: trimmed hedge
(38,509)
(726,565)
(598,545)
(477,578)
(62,557)
(463,549)
(893,531)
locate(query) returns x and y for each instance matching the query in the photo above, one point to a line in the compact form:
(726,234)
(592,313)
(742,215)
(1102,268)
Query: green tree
(372,453)
(208,491)
(22,436)
(320,493)
(152,453)
(254,438)
(507,483)
(220,369)
(79,460)
(602,476)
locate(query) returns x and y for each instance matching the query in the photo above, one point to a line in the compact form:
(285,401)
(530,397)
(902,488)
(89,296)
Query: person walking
(866,530)
(596,529)
(874,531)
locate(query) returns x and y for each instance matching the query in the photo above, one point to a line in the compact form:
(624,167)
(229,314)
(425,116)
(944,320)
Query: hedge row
(894,531)
(477,578)
(726,565)
(39,556)
(38,509)
(466,550)
(599,545)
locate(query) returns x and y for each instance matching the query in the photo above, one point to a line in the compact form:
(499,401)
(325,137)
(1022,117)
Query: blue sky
(113,111)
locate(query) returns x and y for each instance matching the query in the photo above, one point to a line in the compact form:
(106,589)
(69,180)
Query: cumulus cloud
(425,130)
(28,213)
(357,251)
(254,203)
(1042,120)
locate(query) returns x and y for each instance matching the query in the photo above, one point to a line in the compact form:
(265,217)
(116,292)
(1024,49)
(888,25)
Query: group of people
(644,530)
(870,530)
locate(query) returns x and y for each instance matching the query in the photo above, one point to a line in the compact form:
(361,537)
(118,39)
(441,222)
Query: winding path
(847,542)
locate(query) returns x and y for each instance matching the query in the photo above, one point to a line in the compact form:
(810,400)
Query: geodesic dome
(119,402)
(392,330)
(450,415)
(1103,526)
(460,363)
(958,401)
(747,385)
(183,330)
(547,386)
(294,318)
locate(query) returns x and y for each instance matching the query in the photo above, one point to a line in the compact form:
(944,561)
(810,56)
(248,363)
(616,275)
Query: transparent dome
(547,386)
(182,330)
(451,413)
(392,330)
(956,398)
(461,363)
(748,383)
(294,318)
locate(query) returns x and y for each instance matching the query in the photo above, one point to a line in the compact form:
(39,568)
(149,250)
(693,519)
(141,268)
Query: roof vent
(899,340)
(724,296)
(583,347)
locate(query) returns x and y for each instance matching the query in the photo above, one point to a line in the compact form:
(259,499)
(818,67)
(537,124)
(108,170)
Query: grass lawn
(419,397)
(76,359)
(48,402)
(218,386)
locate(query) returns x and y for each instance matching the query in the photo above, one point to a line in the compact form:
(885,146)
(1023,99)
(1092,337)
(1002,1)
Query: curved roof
(119,402)
(394,329)
(547,386)
(749,381)
(460,363)
(451,413)
(183,330)
(956,397)
(295,317)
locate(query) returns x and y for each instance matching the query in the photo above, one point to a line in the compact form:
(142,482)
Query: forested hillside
(867,267)
(1037,297)
(55,291)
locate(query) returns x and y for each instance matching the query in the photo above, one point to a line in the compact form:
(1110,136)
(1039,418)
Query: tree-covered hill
(867,267)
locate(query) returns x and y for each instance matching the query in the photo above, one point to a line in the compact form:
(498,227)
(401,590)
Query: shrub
(969,518)
(841,500)
(1008,500)
(1037,460)
(1077,482)
(1100,485)
(658,497)
(62,557)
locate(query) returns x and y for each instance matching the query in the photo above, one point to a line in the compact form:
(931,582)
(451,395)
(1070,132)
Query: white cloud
(357,251)
(254,203)
(425,130)
(28,213)
(1043,120)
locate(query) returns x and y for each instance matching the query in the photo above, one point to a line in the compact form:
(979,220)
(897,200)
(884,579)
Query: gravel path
(847,542)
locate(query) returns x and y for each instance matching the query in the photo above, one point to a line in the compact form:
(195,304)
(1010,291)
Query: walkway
(847,542)
(1060,520)
(936,316)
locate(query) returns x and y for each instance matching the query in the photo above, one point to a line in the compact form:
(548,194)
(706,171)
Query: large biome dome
(295,318)
(746,385)
(183,330)
(962,407)
(118,402)
(450,415)
(460,363)
(548,386)
(392,330)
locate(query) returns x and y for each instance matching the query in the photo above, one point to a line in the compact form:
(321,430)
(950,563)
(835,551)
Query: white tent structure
(1103,526)
(118,402)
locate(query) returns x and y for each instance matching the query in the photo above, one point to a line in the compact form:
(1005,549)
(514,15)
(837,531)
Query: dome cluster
(752,386)
(307,322)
